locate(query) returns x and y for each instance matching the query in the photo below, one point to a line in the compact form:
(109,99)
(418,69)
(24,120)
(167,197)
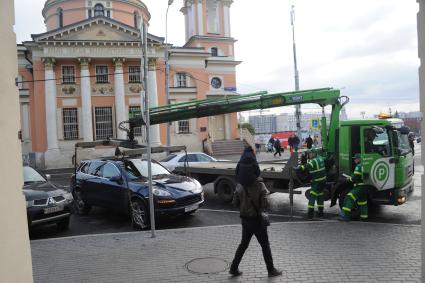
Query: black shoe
(320,215)
(235,272)
(274,272)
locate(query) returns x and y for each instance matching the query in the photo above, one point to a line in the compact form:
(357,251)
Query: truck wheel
(225,189)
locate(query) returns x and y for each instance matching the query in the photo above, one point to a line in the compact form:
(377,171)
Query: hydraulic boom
(260,100)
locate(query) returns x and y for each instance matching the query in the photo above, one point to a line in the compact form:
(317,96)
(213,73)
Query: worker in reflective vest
(357,195)
(316,167)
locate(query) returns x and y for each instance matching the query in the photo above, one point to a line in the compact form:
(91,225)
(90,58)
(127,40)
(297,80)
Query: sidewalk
(320,251)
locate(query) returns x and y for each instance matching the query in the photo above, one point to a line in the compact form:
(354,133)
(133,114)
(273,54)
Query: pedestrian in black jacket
(278,147)
(251,197)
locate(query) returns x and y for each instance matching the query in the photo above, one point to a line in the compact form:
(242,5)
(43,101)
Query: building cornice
(208,38)
(57,33)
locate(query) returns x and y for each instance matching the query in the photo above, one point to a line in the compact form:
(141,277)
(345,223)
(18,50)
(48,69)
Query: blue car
(122,185)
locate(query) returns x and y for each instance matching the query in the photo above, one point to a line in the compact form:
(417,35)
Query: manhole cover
(206,265)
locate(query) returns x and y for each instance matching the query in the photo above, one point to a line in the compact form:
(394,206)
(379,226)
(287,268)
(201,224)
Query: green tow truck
(383,143)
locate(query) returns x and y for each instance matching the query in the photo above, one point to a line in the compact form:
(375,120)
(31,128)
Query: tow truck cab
(387,158)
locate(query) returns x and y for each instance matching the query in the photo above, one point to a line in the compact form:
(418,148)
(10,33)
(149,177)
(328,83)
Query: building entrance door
(217,127)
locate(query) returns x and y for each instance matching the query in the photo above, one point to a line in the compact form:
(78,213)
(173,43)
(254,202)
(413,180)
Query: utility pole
(144,34)
(167,72)
(297,82)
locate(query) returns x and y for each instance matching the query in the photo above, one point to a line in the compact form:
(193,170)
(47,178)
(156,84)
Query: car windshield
(142,167)
(403,143)
(32,176)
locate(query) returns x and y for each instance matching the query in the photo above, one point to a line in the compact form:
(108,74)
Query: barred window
(134,74)
(184,127)
(214,51)
(104,126)
(68,75)
(102,74)
(70,123)
(134,111)
(181,80)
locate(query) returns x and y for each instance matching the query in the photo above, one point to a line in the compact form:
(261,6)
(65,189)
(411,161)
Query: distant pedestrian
(316,141)
(277,147)
(257,147)
(291,144)
(270,145)
(309,142)
(411,138)
(296,142)
(251,198)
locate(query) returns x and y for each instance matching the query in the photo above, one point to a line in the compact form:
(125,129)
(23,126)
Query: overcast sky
(368,49)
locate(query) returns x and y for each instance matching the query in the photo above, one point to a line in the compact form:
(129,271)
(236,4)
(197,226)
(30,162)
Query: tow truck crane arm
(259,100)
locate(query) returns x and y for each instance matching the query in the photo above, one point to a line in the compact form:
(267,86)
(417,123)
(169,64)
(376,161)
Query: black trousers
(278,150)
(252,227)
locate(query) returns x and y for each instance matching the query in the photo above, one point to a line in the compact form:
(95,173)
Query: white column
(226,13)
(86,105)
(25,122)
(227,131)
(153,101)
(200,18)
(50,103)
(119,96)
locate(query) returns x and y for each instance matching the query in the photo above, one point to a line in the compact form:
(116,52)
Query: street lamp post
(167,71)
(297,82)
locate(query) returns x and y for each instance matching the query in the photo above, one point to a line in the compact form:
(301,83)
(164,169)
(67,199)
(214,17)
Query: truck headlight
(160,193)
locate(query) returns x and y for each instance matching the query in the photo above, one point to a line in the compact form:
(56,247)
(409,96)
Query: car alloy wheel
(80,205)
(138,215)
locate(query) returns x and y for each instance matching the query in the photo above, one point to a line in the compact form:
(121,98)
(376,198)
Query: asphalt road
(215,212)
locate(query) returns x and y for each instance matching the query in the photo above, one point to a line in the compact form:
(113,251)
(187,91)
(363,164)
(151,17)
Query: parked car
(174,160)
(46,203)
(122,185)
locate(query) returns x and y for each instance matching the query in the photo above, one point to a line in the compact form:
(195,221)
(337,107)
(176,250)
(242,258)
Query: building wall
(421,47)
(15,253)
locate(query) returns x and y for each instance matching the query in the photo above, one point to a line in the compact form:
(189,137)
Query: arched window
(60,17)
(99,10)
(214,51)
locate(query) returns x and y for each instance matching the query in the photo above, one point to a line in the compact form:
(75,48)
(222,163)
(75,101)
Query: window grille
(68,75)
(108,13)
(134,74)
(99,10)
(104,126)
(70,123)
(214,51)
(102,74)
(184,127)
(181,80)
(134,111)
(90,13)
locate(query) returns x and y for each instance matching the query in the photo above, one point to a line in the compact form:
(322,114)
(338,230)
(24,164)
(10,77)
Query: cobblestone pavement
(319,251)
